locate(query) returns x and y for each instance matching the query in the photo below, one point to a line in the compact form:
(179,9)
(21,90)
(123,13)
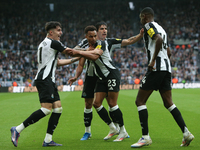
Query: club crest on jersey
(84,94)
(151,32)
(98,47)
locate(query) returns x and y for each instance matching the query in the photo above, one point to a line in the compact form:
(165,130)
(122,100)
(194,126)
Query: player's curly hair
(90,28)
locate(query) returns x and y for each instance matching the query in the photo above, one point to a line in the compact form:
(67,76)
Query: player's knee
(112,103)
(96,105)
(88,106)
(88,103)
(139,103)
(58,110)
(167,105)
(136,103)
(45,111)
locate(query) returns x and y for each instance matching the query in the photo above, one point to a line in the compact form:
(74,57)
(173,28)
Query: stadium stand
(22,29)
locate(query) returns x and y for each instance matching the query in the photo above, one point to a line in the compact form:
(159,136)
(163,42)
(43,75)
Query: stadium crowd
(22,31)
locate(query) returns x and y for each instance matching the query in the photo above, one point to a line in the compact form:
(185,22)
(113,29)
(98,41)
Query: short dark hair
(99,24)
(90,28)
(52,25)
(147,10)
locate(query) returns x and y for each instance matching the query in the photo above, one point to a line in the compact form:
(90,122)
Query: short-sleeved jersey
(162,60)
(104,64)
(113,43)
(47,58)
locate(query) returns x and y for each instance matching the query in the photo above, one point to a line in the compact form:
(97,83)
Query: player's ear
(145,16)
(141,15)
(50,32)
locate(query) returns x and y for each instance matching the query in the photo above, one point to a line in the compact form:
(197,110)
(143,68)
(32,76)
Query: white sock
(117,126)
(20,128)
(171,107)
(48,138)
(88,129)
(99,108)
(186,132)
(112,126)
(113,108)
(87,110)
(146,136)
(122,129)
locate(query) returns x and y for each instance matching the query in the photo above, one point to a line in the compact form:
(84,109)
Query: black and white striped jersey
(103,65)
(113,43)
(47,58)
(162,60)
(89,67)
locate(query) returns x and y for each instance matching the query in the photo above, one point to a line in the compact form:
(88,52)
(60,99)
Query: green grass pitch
(165,134)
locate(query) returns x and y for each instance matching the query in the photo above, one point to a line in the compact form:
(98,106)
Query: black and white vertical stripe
(162,61)
(104,65)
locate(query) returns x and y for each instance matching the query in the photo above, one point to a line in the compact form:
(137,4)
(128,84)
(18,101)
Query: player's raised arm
(133,39)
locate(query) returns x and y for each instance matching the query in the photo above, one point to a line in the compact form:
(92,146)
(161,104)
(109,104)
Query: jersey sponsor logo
(151,32)
(98,47)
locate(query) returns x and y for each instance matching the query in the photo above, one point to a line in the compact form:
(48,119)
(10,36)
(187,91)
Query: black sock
(53,121)
(117,117)
(143,115)
(104,116)
(87,119)
(34,117)
(178,118)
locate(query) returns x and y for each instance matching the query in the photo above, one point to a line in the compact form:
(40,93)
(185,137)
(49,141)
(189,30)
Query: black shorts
(110,84)
(47,91)
(156,80)
(89,86)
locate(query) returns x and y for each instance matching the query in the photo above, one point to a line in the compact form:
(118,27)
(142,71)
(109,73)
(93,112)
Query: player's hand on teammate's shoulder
(142,32)
(98,51)
(70,52)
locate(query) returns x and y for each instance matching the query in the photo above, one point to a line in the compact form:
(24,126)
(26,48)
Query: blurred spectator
(22,31)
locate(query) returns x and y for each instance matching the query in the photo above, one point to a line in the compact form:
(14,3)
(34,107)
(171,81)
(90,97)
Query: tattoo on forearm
(132,38)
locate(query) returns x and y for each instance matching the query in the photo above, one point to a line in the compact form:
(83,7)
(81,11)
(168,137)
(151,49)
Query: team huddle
(94,52)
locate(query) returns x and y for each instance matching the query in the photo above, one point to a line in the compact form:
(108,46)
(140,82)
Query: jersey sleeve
(57,45)
(83,43)
(115,41)
(101,45)
(151,30)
